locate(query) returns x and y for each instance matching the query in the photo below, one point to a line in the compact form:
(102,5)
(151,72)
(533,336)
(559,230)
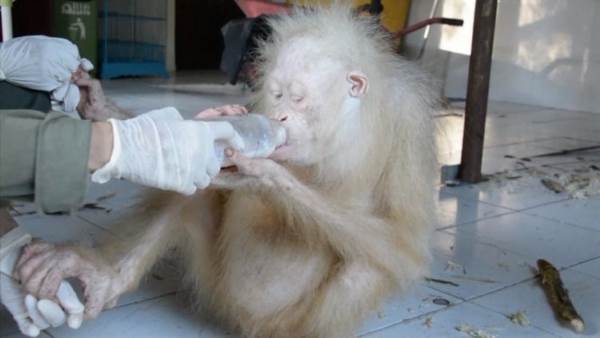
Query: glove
(32,315)
(46,64)
(161,150)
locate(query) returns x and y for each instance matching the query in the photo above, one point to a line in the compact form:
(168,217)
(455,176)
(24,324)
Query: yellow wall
(394,14)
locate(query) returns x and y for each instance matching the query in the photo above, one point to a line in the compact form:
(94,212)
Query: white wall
(546,52)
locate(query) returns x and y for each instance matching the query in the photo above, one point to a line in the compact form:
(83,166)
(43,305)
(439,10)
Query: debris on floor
(441,301)
(428,322)
(558,296)
(453,266)
(474,279)
(504,266)
(473,331)
(106,197)
(578,185)
(552,185)
(96,205)
(441,281)
(580,180)
(519,318)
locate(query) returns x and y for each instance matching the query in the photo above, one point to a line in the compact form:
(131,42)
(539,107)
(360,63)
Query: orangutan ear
(359,84)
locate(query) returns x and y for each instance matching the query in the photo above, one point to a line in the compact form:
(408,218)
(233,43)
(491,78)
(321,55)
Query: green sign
(78,22)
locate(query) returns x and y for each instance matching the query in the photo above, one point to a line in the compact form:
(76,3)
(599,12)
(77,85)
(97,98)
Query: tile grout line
(444,228)
(412,319)
(171,293)
(521,211)
(582,227)
(570,267)
(506,316)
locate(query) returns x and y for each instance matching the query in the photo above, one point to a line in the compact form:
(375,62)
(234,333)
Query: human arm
(44,156)
(93,105)
(49,156)
(15,97)
(45,64)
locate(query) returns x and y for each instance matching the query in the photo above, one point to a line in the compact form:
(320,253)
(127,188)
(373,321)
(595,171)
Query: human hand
(33,315)
(92,103)
(227,110)
(43,267)
(161,150)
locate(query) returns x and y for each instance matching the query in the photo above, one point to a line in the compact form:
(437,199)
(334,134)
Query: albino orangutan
(310,241)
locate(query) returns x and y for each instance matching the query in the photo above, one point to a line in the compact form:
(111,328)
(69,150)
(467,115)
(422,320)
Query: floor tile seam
(447,293)
(477,220)
(521,142)
(515,325)
(582,227)
(575,265)
(580,139)
(411,319)
(497,206)
(494,245)
(95,225)
(502,288)
(166,294)
(557,166)
(434,312)
(532,278)
(587,274)
(513,210)
(497,287)
(457,195)
(475,297)
(563,199)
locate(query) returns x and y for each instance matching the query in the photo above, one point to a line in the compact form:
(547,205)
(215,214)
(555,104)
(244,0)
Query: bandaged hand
(161,150)
(33,315)
(46,64)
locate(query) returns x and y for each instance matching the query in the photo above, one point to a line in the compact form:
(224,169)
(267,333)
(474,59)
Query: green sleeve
(44,156)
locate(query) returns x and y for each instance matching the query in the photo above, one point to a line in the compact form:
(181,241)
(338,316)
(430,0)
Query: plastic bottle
(261,135)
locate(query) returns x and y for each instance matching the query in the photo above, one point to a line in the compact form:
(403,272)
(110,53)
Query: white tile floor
(488,235)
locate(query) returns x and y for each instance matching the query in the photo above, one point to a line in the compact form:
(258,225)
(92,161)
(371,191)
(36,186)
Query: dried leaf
(552,185)
(473,332)
(519,318)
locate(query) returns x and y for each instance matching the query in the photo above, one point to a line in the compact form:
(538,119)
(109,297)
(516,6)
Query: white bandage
(46,64)
(161,150)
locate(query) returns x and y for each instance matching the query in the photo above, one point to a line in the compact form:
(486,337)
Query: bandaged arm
(44,157)
(51,155)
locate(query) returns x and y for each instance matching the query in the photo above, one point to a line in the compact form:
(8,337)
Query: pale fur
(318,253)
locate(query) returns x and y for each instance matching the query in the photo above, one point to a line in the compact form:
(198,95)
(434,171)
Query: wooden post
(478,89)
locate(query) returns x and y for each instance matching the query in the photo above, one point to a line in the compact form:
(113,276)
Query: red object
(254,8)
